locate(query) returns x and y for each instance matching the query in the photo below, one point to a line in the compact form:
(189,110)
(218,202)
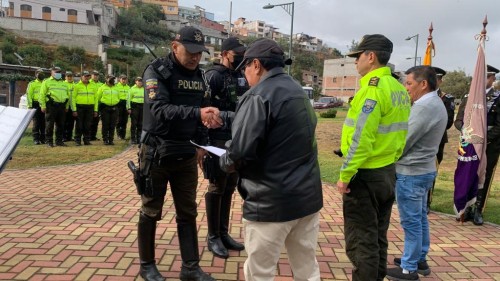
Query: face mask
(40,76)
(237,59)
(57,76)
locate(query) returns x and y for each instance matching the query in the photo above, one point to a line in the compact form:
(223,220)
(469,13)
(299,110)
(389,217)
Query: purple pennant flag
(471,166)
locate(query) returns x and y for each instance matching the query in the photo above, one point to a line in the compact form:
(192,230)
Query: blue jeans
(411,195)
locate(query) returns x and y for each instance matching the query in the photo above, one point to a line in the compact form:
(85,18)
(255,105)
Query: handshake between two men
(211,117)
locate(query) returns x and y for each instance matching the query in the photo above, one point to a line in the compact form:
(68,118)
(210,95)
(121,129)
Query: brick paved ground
(79,223)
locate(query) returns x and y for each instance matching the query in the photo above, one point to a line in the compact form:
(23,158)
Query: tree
(141,22)
(8,48)
(34,55)
(354,45)
(456,83)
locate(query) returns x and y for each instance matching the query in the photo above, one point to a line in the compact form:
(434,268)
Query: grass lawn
(27,155)
(328,134)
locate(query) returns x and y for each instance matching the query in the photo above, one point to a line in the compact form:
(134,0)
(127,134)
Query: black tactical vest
(179,87)
(235,85)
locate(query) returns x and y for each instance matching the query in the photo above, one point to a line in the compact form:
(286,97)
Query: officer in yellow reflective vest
(33,95)
(373,138)
(94,79)
(83,101)
(69,120)
(135,102)
(54,102)
(121,126)
(107,100)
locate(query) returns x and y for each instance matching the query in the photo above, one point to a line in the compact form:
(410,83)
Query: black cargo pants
(367,213)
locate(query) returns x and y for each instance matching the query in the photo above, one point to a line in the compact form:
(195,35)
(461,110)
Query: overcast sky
(338,22)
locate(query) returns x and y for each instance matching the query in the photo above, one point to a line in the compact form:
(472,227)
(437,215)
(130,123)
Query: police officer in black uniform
(226,85)
(449,104)
(492,144)
(175,91)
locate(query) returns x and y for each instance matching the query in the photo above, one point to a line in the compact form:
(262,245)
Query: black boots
(146,240)
(468,214)
(212,202)
(188,243)
(478,212)
(225,209)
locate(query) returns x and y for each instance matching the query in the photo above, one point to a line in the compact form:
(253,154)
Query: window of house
(62,9)
(11,5)
(72,12)
(25,7)
(334,80)
(46,10)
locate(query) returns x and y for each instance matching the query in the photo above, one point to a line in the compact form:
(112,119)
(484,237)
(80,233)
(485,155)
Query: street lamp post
(416,46)
(419,59)
(289,8)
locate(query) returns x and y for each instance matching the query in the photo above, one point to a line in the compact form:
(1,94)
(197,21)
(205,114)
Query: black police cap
(192,39)
(491,70)
(439,71)
(372,42)
(234,44)
(264,49)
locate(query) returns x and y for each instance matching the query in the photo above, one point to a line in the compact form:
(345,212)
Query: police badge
(369,106)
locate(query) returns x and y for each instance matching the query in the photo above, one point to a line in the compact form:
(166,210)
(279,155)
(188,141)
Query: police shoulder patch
(152,88)
(369,105)
(373,81)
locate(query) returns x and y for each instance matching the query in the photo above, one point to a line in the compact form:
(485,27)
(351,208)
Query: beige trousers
(265,240)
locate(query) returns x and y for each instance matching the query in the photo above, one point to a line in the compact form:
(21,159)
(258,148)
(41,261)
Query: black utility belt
(105,106)
(54,103)
(136,104)
(85,105)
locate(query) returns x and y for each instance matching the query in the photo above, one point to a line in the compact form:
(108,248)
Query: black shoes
(397,273)
(50,144)
(478,217)
(422,266)
(86,142)
(150,272)
(474,215)
(217,248)
(194,274)
(37,142)
(230,243)
(78,143)
(60,143)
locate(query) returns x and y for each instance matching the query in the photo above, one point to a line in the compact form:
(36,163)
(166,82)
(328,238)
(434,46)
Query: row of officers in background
(68,105)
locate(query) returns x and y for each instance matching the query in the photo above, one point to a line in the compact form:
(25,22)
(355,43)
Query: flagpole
(483,38)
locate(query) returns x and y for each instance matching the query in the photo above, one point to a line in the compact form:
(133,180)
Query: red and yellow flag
(430,50)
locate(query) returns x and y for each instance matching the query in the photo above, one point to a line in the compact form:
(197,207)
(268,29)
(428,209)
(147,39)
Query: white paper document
(13,123)
(212,149)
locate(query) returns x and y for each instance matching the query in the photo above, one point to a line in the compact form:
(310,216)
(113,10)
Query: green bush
(330,113)
(34,55)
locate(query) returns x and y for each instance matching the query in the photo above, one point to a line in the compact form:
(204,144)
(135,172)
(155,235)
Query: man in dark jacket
(273,148)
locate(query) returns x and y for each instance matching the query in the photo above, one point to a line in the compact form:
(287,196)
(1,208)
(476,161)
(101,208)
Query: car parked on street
(327,102)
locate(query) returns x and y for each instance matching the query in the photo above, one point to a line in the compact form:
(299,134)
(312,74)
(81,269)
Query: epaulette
(162,67)
(373,81)
(449,96)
